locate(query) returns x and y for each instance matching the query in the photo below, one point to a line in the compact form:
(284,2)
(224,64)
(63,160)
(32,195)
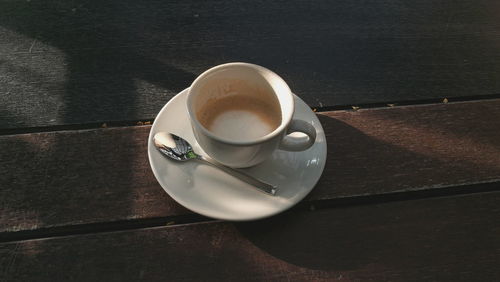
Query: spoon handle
(261,186)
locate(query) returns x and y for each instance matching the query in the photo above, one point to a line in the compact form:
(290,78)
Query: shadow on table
(80,68)
(353,238)
(361,54)
(73,63)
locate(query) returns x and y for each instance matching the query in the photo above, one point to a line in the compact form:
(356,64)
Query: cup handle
(294,144)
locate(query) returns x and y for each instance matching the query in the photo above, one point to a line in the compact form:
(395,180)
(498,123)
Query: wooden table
(408,93)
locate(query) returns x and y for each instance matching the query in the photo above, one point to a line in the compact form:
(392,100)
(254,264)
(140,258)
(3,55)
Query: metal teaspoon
(179,149)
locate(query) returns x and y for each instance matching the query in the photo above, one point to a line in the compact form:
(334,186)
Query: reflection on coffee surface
(240,117)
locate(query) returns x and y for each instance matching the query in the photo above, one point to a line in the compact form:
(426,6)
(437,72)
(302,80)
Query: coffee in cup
(245,113)
(241,113)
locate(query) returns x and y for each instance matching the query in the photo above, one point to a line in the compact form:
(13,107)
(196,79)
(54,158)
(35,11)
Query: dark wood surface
(68,62)
(63,178)
(440,239)
(409,193)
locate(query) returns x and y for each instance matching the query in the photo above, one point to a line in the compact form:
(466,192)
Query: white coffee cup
(243,84)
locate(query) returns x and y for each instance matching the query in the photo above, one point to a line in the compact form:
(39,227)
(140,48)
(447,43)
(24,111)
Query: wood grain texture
(78,177)
(440,239)
(102,175)
(66,62)
(408,148)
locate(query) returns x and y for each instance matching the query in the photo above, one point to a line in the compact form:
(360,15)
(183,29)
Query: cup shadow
(352,238)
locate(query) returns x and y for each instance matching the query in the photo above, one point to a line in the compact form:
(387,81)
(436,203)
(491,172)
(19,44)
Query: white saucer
(213,193)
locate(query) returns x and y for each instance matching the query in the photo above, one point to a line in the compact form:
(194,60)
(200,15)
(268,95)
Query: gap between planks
(354,107)
(306,205)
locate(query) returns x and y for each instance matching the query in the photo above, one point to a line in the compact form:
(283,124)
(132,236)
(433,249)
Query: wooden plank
(408,148)
(64,62)
(78,177)
(89,176)
(439,239)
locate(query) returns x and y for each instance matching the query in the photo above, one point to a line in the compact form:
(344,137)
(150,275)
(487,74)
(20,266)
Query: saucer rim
(201,211)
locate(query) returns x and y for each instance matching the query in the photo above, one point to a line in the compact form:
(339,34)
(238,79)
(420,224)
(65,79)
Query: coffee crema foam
(239,118)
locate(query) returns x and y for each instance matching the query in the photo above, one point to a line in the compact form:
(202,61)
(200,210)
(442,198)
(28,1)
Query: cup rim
(285,118)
